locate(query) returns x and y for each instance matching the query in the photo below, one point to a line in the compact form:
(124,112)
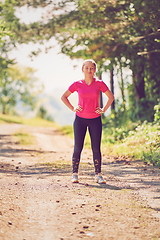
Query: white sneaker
(99,179)
(75,178)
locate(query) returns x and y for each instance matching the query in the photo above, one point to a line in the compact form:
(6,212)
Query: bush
(157,113)
(140,141)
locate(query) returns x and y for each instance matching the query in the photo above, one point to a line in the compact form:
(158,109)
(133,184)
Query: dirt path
(39,202)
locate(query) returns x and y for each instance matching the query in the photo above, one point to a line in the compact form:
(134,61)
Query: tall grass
(142,143)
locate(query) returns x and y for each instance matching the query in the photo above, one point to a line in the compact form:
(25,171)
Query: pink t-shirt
(88,96)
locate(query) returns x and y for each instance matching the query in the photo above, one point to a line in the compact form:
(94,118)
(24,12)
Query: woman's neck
(88,80)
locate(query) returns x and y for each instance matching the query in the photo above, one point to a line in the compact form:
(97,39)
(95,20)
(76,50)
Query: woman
(88,115)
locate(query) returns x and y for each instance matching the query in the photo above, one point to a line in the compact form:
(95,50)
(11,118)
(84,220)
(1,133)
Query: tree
(104,30)
(144,58)
(42,113)
(18,85)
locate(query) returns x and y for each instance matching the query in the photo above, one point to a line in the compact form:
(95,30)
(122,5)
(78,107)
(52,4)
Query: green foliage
(143,111)
(68,130)
(152,151)
(146,138)
(42,113)
(139,141)
(130,139)
(18,84)
(114,33)
(133,140)
(157,113)
(4,31)
(117,127)
(122,30)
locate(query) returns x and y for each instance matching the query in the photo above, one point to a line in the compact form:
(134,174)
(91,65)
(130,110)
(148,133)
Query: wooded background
(117,34)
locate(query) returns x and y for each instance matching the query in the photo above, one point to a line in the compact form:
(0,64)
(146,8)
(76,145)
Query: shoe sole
(101,182)
(75,181)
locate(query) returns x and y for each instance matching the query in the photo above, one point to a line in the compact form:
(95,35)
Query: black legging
(95,130)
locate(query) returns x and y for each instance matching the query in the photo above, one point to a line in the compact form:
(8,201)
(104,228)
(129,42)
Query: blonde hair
(89,60)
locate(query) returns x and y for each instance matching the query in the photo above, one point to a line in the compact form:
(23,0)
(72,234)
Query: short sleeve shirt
(88,96)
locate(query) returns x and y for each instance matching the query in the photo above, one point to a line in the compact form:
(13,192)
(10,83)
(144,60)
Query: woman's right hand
(77,109)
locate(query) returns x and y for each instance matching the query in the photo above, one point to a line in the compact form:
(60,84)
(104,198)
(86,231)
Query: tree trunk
(101,98)
(138,82)
(122,87)
(112,86)
(138,96)
(3,109)
(154,75)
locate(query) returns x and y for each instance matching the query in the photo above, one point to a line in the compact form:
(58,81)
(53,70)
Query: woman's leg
(95,131)
(79,135)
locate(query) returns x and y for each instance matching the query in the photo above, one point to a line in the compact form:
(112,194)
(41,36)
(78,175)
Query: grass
(67,130)
(24,138)
(33,121)
(142,142)
(58,165)
(10,119)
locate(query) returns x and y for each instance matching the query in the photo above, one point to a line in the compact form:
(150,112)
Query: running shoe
(75,178)
(100,179)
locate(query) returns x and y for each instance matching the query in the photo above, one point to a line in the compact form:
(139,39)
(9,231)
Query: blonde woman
(88,116)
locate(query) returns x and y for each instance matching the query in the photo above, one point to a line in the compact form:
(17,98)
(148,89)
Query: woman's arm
(110,96)
(64,98)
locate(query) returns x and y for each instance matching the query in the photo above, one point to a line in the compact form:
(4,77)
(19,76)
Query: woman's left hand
(99,110)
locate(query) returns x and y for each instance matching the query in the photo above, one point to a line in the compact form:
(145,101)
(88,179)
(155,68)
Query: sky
(54,70)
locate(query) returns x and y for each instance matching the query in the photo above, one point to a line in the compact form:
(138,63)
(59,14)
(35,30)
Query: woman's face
(89,69)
